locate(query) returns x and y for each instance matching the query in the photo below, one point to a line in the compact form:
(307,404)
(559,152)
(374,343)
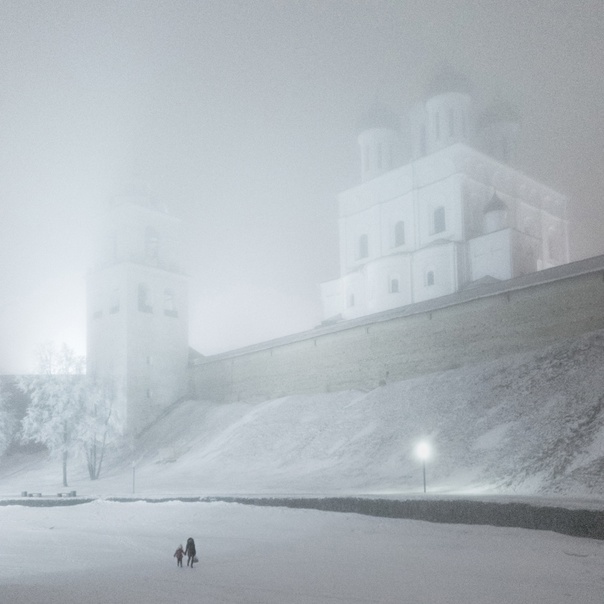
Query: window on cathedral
(363,250)
(350,301)
(169,305)
(394,287)
(399,233)
(151,243)
(429,278)
(144,299)
(439,220)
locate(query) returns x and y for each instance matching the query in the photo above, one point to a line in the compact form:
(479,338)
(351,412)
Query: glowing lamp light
(423,451)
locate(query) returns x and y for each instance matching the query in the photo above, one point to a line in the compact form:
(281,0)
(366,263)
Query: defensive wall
(475,325)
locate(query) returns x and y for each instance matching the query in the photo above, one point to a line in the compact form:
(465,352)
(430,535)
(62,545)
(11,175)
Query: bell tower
(137,311)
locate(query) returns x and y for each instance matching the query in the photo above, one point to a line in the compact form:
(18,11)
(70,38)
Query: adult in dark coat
(190,551)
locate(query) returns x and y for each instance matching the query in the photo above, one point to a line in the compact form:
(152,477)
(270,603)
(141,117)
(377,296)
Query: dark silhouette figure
(190,551)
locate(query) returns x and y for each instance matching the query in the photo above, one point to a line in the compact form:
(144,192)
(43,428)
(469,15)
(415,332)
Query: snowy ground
(529,427)
(105,552)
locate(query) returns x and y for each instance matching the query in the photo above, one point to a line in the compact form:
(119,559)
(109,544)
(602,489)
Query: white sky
(241,117)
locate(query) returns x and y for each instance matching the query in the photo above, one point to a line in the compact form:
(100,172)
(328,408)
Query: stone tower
(137,311)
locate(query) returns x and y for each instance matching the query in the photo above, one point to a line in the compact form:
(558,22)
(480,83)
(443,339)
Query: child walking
(179,554)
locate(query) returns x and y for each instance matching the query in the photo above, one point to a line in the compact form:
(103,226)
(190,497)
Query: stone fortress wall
(472,326)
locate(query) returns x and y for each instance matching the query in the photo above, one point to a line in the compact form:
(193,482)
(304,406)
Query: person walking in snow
(190,551)
(179,555)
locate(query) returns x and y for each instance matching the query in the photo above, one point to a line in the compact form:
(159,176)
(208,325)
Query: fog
(241,117)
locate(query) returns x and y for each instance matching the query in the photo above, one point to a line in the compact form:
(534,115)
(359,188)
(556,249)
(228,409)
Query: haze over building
(442,206)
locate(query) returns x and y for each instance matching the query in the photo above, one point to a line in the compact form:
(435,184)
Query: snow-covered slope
(531,423)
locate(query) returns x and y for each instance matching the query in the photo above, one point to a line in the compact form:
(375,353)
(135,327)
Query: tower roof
(495,205)
(378,115)
(447,79)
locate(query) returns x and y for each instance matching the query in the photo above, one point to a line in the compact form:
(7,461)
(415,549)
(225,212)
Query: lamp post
(422,450)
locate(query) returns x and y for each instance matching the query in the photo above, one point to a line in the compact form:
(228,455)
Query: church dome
(447,79)
(378,116)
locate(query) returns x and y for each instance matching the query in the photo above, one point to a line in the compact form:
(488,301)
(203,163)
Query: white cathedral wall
(380,276)
(490,255)
(331,298)
(354,294)
(440,260)
(446,194)
(397,209)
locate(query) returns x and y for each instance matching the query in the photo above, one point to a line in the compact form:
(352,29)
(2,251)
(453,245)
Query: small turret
(380,141)
(495,215)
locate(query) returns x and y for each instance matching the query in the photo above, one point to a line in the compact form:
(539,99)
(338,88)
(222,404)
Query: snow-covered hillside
(531,423)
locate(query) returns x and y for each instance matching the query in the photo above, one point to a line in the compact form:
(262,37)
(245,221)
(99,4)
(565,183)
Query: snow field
(105,552)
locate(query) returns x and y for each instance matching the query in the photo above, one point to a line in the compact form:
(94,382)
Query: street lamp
(422,451)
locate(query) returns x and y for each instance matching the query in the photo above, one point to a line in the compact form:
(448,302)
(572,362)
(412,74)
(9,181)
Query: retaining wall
(471,326)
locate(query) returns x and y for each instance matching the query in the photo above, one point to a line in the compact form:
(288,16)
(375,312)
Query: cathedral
(452,212)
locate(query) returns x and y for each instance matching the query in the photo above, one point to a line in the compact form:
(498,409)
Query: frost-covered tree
(8,423)
(57,405)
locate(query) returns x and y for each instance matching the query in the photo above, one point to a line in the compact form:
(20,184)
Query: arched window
(151,243)
(429,278)
(363,246)
(394,289)
(144,299)
(399,233)
(350,301)
(169,305)
(439,220)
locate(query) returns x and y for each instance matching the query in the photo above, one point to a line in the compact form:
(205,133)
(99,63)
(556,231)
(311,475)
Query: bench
(34,495)
(66,494)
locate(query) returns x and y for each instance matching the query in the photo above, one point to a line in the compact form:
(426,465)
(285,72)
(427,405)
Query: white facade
(451,216)
(137,312)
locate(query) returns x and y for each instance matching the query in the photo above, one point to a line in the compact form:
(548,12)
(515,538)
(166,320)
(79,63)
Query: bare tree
(99,424)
